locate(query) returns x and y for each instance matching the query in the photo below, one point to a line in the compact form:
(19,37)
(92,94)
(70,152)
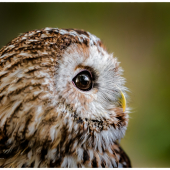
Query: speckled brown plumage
(45,121)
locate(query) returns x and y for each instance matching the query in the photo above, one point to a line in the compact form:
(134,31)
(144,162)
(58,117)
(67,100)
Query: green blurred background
(139,35)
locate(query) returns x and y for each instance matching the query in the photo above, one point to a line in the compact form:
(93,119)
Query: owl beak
(122,101)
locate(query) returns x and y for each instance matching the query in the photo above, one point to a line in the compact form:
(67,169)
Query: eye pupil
(83,81)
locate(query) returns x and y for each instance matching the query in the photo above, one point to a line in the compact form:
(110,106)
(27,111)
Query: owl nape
(62,101)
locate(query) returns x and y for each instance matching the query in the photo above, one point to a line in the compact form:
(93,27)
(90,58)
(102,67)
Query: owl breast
(62,101)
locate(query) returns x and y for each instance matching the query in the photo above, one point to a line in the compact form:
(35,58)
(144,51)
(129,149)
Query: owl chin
(76,131)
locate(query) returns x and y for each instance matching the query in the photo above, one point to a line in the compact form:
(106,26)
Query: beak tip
(123,101)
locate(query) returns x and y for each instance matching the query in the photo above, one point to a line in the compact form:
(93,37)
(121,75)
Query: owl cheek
(75,98)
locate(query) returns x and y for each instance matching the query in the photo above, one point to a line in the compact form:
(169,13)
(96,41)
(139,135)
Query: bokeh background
(139,35)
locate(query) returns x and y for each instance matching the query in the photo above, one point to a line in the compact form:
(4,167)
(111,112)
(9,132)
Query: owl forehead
(58,35)
(48,39)
(80,57)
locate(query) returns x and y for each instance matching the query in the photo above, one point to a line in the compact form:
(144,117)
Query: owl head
(60,91)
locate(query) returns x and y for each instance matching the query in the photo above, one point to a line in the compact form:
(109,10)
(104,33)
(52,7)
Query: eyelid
(82,71)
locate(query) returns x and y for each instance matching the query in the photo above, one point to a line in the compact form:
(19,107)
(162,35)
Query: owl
(62,101)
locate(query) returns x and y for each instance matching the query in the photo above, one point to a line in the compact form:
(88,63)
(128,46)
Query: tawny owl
(62,102)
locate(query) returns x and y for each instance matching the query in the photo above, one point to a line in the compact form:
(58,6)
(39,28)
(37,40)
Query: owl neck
(87,148)
(76,142)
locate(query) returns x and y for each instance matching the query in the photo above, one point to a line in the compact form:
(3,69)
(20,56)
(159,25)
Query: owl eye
(83,81)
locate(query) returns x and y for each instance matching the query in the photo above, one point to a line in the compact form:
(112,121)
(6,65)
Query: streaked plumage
(45,119)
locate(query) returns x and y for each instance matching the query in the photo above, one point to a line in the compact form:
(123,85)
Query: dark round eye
(83,80)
